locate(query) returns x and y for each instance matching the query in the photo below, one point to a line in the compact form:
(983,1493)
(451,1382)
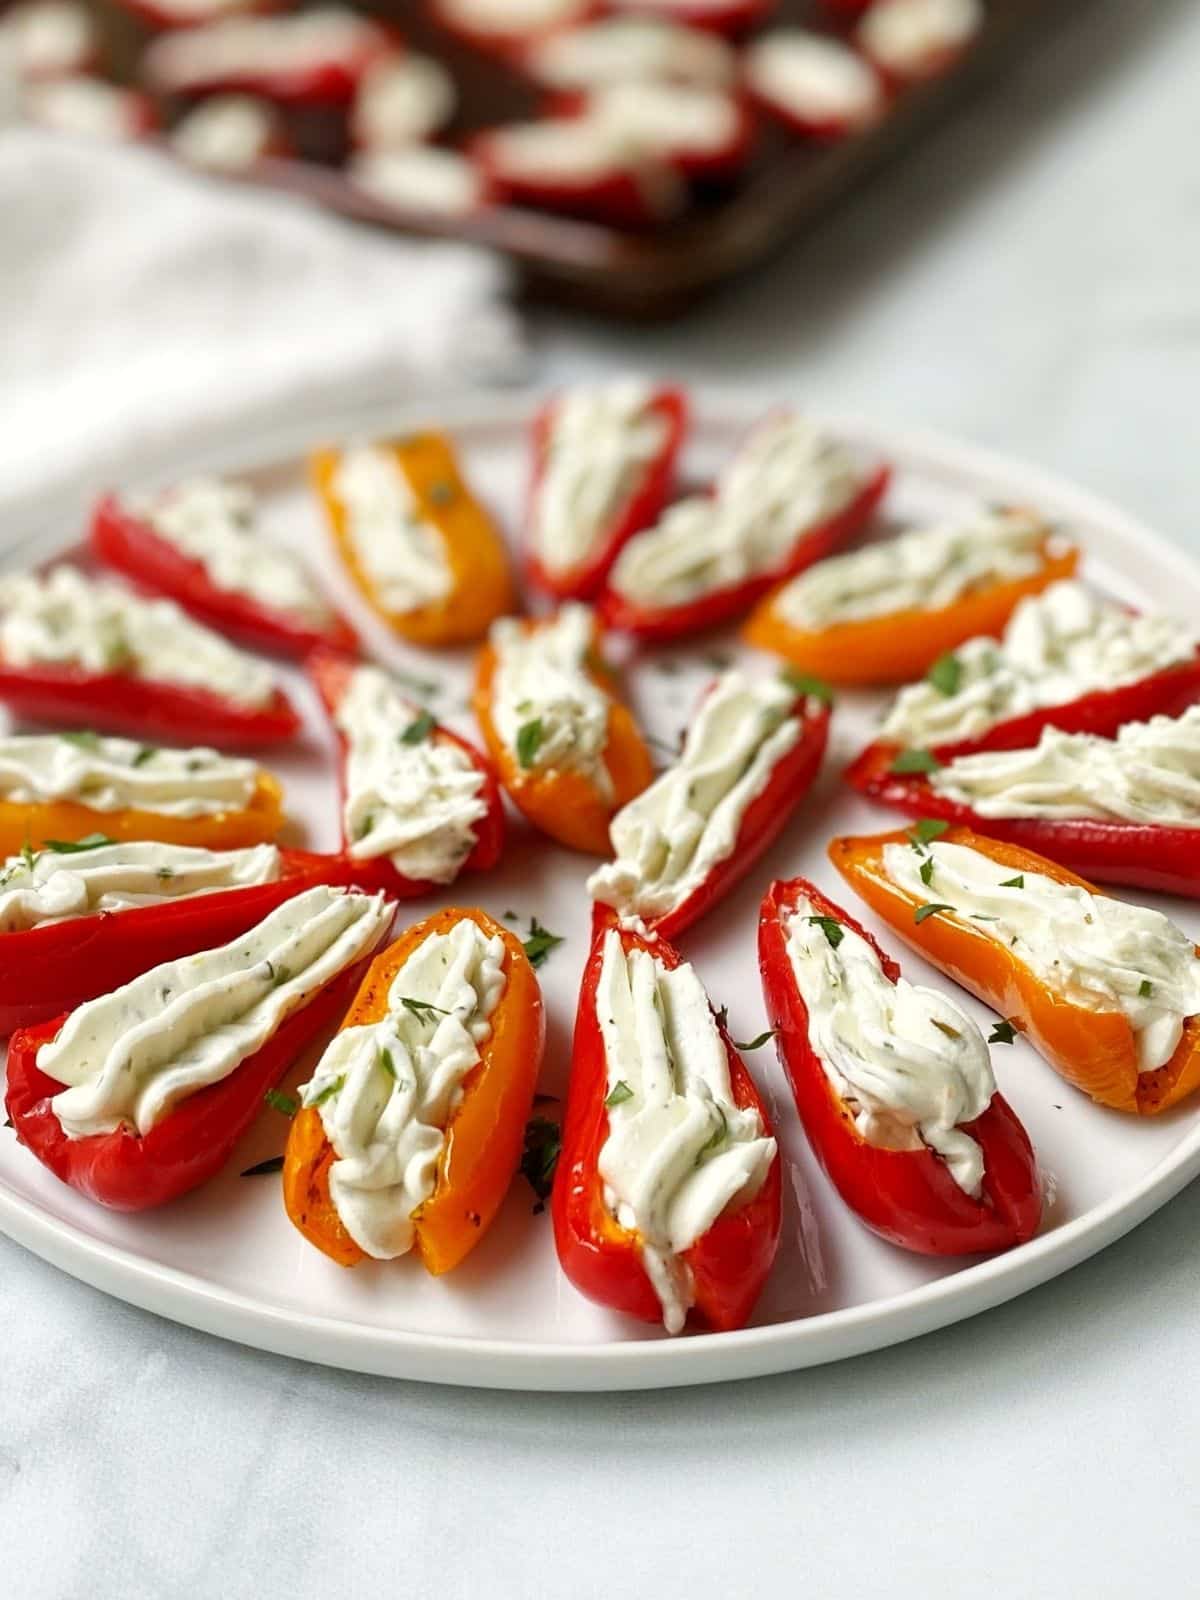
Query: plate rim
(522,1364)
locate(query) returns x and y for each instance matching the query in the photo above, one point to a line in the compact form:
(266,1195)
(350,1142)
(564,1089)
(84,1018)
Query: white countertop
(1031,281)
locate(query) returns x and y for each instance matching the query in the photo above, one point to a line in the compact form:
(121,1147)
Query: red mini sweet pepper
(908,1196)
(131,544)
(729,1263)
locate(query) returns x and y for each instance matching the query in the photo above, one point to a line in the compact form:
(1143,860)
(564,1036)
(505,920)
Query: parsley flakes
(915,761)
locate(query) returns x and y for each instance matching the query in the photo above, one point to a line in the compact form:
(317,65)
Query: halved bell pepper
(131,544)
(729,1263)
(49,970)
(568,805)
(485,1133)
(23,823)
(908,1196)
(331,673)
(900,645)
(1147,855)
(639,509)
(813,543)
(482,587)
(1092,1049)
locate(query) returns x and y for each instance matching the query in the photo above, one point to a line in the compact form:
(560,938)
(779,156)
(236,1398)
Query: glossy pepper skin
(639,510)
(907,1196)
(1104,711)
(118,702)
(128,1171)
(1092,1049)
(481,582)
(1145,855)
(729,1264)
(22,823)
(485,1133)
(901,645)
(657,624)
(50,970)
(331,673)
(133,547)
(567,805)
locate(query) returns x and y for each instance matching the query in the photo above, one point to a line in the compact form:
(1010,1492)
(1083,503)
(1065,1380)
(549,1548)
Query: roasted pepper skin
(117,702)
(482,587)
(330,672)
(907,1196)
(50,970)
(566,805)
(902,645)
(131,546)
(730,1263)
(485,1133)
(1145,855)
(639,511)
(1094,1050)
(127,1171)
(657,624)
(24,824)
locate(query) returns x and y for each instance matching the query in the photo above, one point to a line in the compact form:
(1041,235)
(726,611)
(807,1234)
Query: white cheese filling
(387,1090)
(679,1152)
(239,48)
(907,1061)
(1149,773)
(505,19)
(668,839)
(399,103)
(786,478)
(226,133)
(907,36)
(626,49)
(813,78)
(403,554)
(922,570)
(57,885)
(120,774)
(546,708)
(67,619)
(130,1057)
(410,797)
(598,447)
(1058,646)
(421,178)
(1097,952)
(47,38)
(216,524)
(667,118)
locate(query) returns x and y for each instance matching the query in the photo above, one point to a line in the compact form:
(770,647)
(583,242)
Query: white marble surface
(1031,281)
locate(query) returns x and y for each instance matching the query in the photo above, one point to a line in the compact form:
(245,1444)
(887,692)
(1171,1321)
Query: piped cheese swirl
(906,1060)
(387,1090)
(1096,951)
(120,774)
(401,552)
(66,619)
(679,1151)
(1059,645)
(130,1057)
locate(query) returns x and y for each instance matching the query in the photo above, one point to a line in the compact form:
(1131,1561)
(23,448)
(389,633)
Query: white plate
(225,1259)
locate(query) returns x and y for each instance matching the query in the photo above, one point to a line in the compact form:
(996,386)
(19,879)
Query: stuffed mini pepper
(666,1199)
(421,550)
(894,1086)
(198,544)
(83,650)
(419,804)
(411,1127)
(603,465)
(749,757)
(813,84)
(703,134)
(1109,992)
(619,49)
(140,1095)
(567,750)
(912,40)
(887,612)
(791,496)
(1067,659)
(69,785)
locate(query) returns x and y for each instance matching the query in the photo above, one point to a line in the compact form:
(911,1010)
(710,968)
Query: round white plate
(225,1259)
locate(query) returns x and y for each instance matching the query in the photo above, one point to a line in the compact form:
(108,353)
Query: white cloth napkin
(141,304)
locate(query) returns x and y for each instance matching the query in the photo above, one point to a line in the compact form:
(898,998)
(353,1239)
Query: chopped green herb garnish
(417,732)
(328,1092)
(717,1137)
(85,738)
(1014,883)
(72,847)
(946,675)
(929,909)
(619,1093)
(756,1043)
(1145,988)
(543,1143)
(540,942)
(421,687)
(384,1060)
(261,1168)
(1002,1033)
(286,1104)
(442,493)
(165,874)
(925,831)
(510,915)
(926,870)
(806,683)
(422,1008)
(915,761)
(831,928)
(28,855)
(146,753)
(529,737)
